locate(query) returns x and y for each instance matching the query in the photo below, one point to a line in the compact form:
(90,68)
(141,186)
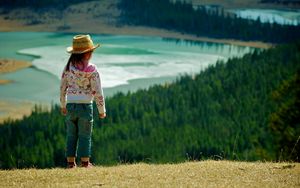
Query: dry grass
(189,174)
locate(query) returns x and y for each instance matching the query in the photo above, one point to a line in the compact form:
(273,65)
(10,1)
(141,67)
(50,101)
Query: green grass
(189,174)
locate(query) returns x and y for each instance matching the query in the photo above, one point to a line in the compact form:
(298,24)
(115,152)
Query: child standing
(80,85)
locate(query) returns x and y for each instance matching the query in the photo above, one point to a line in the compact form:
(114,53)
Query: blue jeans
(79,122)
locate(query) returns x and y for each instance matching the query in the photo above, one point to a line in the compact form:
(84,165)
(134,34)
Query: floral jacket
(82,87)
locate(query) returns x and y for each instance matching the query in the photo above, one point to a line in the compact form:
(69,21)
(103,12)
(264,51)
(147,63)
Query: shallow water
(126,63)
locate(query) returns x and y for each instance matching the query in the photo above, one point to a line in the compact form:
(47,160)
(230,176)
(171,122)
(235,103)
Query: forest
(234,110)
(202,21)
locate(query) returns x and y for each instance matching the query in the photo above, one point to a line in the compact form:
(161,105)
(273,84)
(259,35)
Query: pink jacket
(82,87)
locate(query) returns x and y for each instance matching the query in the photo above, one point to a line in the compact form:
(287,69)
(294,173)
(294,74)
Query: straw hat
(82,44)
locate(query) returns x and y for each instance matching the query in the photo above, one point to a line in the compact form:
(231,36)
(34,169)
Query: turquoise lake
(126,63)
(283,17)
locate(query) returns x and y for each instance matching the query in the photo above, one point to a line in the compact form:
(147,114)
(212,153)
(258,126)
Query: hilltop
(190,174)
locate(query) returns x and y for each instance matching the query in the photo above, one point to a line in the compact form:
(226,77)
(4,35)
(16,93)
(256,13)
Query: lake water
(284,17)
(126,63)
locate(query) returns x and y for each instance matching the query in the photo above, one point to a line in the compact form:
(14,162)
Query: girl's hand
(102,116)
(63,111)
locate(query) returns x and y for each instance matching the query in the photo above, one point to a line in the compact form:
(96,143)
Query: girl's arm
(98,93)
(63,90)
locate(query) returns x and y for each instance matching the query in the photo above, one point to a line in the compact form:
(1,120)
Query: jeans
(79,123)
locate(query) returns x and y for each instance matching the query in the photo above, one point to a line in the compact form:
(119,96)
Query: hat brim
(72,51)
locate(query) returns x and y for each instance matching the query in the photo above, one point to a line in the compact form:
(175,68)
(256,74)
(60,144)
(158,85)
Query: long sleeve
(98,92)
(63,89)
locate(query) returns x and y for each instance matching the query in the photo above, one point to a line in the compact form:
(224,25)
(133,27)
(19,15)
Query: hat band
(82,48)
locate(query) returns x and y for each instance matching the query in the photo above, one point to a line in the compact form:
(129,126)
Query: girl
(80,84)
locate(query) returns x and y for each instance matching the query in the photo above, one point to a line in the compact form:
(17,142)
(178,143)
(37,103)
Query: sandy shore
(10,65)
(5,82)
(14,110)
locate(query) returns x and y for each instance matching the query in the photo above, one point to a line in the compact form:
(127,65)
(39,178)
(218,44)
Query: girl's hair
(76,59)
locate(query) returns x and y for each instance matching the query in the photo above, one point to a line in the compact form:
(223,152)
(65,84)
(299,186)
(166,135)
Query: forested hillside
(184,18)
(221,113)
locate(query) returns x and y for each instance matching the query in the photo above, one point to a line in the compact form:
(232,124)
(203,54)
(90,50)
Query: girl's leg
(84,138)
(85,126)
(71,139)
(71,159)
(72,133)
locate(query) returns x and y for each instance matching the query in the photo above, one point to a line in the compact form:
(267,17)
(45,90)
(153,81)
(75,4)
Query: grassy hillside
(190,174)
